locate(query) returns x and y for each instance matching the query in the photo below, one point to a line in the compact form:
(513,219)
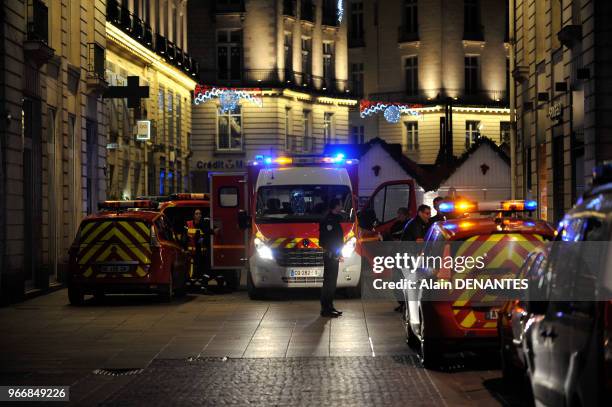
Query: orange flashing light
(465,206)
(147,204)
(191,197)
(283,160)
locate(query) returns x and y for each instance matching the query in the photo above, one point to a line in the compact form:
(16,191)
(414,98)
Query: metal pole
(512,97)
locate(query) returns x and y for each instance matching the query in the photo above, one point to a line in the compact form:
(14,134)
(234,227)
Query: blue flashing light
(450,226)
(268,160)
(531,205)
(529,223)
(259,157)
(447,207)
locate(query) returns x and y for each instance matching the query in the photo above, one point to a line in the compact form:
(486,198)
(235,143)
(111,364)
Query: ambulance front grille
(303,280)
(299,257)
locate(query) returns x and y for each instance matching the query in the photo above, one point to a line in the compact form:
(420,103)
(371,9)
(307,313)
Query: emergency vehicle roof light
(460,206)
(519,205)
(117,205)
(190,197)
(338,158)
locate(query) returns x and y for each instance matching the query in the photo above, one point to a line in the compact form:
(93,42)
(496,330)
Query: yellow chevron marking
(140,271)
(278,241)
(126,275)
(87,227)
(137,236)
(100,226)
(459,303)
(143,227)
(455,311)
(88,272)
(469,320)
(492,324)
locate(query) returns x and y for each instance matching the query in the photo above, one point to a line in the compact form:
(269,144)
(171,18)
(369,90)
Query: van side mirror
(244,220)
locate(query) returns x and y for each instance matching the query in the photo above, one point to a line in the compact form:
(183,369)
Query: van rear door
(228,197)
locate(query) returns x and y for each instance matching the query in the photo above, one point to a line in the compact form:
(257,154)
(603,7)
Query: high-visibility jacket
(194,233)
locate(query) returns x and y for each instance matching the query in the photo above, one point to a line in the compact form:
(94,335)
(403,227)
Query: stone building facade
(294,53)
(450,57)
(52,155)
(561,71)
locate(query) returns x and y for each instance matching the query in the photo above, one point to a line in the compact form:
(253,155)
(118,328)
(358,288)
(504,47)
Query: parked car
(568,338)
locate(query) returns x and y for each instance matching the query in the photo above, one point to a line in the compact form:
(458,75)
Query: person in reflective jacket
(331,239)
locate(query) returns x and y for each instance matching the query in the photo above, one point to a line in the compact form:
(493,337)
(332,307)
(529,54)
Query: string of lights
(391,111)
(228,97)
(340,10)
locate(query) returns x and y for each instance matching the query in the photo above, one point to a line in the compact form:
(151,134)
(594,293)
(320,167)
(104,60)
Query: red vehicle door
(228,197)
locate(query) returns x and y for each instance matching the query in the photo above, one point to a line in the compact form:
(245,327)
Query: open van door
(228,196)
(380,211)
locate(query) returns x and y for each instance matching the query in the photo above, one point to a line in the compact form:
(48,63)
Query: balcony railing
(407,35)
(308,11)
(229,6)
(38,21)
(497,98)
(289,7)
(276,78)
(95,61)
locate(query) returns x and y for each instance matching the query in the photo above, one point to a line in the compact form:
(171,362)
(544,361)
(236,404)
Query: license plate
(305,273)
(492,314)
(107,268)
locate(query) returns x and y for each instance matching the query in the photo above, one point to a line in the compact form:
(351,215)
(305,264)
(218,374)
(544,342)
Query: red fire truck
(279,203)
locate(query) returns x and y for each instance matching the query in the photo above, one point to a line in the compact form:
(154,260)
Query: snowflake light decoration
(391,111)
(228,97)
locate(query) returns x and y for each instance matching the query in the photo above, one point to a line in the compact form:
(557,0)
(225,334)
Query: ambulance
(128,247)
(279,203)
(466,319)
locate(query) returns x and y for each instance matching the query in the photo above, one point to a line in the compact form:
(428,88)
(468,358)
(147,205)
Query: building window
(472,79)
(356,24)
(288,52)
(472,132)
(471,20)
(306,52)
(412,136)
(357,134)
(411,70)
(162,176)
(229,137)
(308,142)
(357,78)
(410,17)
(289,138)
(504,133)
(229,54)
(170,109)
(328,128)
(328,65)
(179,128)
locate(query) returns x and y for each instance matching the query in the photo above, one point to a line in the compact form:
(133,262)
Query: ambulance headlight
(263,250)
(349,247)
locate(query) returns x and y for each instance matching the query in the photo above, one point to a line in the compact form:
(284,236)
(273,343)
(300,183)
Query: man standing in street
(439,216)
(415,231)
(198,233)
(331,239)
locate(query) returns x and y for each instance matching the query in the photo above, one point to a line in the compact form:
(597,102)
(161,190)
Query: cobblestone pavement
(128,346)
(319,381)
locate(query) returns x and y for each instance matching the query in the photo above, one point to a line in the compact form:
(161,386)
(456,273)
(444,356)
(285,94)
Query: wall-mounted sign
(112,146)
(227,164)
(143,130)
(555,111)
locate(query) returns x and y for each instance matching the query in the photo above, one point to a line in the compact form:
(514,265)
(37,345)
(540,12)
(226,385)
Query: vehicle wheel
(411,338)
(75,295)
(430,352)
(232,279)
(354,292)
(166,294)
(254,292)
(510,372)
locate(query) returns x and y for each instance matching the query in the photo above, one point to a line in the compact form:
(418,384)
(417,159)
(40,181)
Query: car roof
(147,215)
(457,229)
(598,201)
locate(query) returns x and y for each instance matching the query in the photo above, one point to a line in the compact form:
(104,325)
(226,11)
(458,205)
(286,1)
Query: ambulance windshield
(300,203)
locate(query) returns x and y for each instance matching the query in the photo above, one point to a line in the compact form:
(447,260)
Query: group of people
(415,229)
(331,239)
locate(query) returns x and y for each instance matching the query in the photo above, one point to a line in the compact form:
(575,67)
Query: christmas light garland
(391,111)
(228,97)
(340,11)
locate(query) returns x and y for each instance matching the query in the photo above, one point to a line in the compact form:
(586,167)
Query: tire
(354,292)
(430,351)
(254,292)
(232,279)
(510,372)
(75,295)
(411,338)
(181,288)
(166,294)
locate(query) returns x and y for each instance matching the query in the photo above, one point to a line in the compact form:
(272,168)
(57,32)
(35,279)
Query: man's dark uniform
(396,230)
(200,250)
(415,229)
(439,217)
(331,239)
